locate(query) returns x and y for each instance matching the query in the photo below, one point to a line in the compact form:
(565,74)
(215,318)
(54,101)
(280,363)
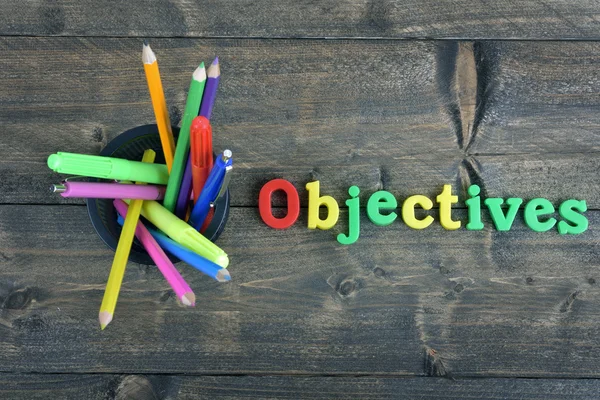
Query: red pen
(201,153)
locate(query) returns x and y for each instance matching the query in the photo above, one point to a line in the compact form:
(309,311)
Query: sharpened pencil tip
(189,299)
(145,42)
(104,318)
(214,71)
(223,275)
(199,73)
(148,56)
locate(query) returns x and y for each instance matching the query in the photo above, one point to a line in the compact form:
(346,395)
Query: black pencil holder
(131,145)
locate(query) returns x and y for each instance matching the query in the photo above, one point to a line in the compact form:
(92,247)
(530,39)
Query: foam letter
(381,200)
(446,200)
(534,209)
(292,199)
(502,222)
(314,204)
(566,211)
(353,217)
(474,206)
(408,211)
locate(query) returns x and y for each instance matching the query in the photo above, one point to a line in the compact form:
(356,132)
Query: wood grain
(399,302)
(146,387)
(303,110)
(538,98)
(471,19)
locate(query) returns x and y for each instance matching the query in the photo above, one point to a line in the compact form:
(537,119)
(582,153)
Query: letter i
(474,206)
(353,217)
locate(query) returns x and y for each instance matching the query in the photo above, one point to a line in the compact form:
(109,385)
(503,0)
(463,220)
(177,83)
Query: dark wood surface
(424,314)
(139,387)
(465,19)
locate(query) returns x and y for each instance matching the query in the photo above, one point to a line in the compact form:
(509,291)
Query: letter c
(293,204)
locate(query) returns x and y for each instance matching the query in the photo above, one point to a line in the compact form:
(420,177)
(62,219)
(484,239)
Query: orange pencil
(159,104)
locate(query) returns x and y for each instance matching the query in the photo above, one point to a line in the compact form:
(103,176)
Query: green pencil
(182,149)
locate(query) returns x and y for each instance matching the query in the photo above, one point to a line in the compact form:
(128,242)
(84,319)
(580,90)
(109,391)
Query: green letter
(502,222)
(566,211)
(353,217)
(381,200)
(474,206)
(534,209)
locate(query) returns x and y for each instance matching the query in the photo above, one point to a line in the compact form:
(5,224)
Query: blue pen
(203,265)
(215,185)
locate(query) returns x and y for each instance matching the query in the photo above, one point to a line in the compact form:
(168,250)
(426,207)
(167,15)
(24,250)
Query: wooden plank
(399,301)
(506,19)
(311,114)
(143,387)
(538,97)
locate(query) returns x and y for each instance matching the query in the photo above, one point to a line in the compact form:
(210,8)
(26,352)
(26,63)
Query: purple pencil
(186,188)
(210,90)
(208,101)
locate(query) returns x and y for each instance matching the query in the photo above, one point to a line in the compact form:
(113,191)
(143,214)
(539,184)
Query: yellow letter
(314,204)
(408,211)
(446,200)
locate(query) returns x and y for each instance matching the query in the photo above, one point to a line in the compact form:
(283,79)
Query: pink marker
(99,190)
(180,287)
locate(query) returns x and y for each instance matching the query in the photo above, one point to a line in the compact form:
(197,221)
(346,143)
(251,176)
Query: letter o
(293,204)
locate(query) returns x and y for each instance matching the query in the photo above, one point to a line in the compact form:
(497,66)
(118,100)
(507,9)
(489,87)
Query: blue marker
(203,265)
(215,186)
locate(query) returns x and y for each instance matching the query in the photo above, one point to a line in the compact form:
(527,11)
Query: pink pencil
(179,285)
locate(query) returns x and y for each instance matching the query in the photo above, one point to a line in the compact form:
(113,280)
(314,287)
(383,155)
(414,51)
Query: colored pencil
(208,102)
(182,149)
(210,92)
(159,104)
(173,277)
(113,286)
(182,233)
(202,264)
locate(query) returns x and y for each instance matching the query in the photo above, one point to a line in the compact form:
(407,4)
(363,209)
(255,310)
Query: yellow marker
(159,104)
(446,200)
(111,294)
(408,211)
(314,204)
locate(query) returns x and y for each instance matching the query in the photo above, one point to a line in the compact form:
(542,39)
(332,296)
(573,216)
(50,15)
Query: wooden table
(401,96)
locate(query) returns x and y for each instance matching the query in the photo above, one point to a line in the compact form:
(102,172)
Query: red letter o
(293,204)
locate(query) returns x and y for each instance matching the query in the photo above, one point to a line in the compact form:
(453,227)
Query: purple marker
(101,190)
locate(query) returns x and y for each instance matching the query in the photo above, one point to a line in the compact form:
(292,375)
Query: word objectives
(381,205)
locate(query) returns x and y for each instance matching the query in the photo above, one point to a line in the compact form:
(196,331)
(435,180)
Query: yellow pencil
(111,294)
(159,104)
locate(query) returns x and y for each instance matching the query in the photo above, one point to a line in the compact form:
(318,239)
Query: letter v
(503,222)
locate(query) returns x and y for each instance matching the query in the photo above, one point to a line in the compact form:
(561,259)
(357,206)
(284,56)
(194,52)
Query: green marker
(108,168)
(182,150)
(182,233)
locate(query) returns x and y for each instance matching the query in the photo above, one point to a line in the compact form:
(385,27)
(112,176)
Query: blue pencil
(203,265)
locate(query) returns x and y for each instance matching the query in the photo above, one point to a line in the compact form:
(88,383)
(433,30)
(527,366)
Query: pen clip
(75,178)
(225,183)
